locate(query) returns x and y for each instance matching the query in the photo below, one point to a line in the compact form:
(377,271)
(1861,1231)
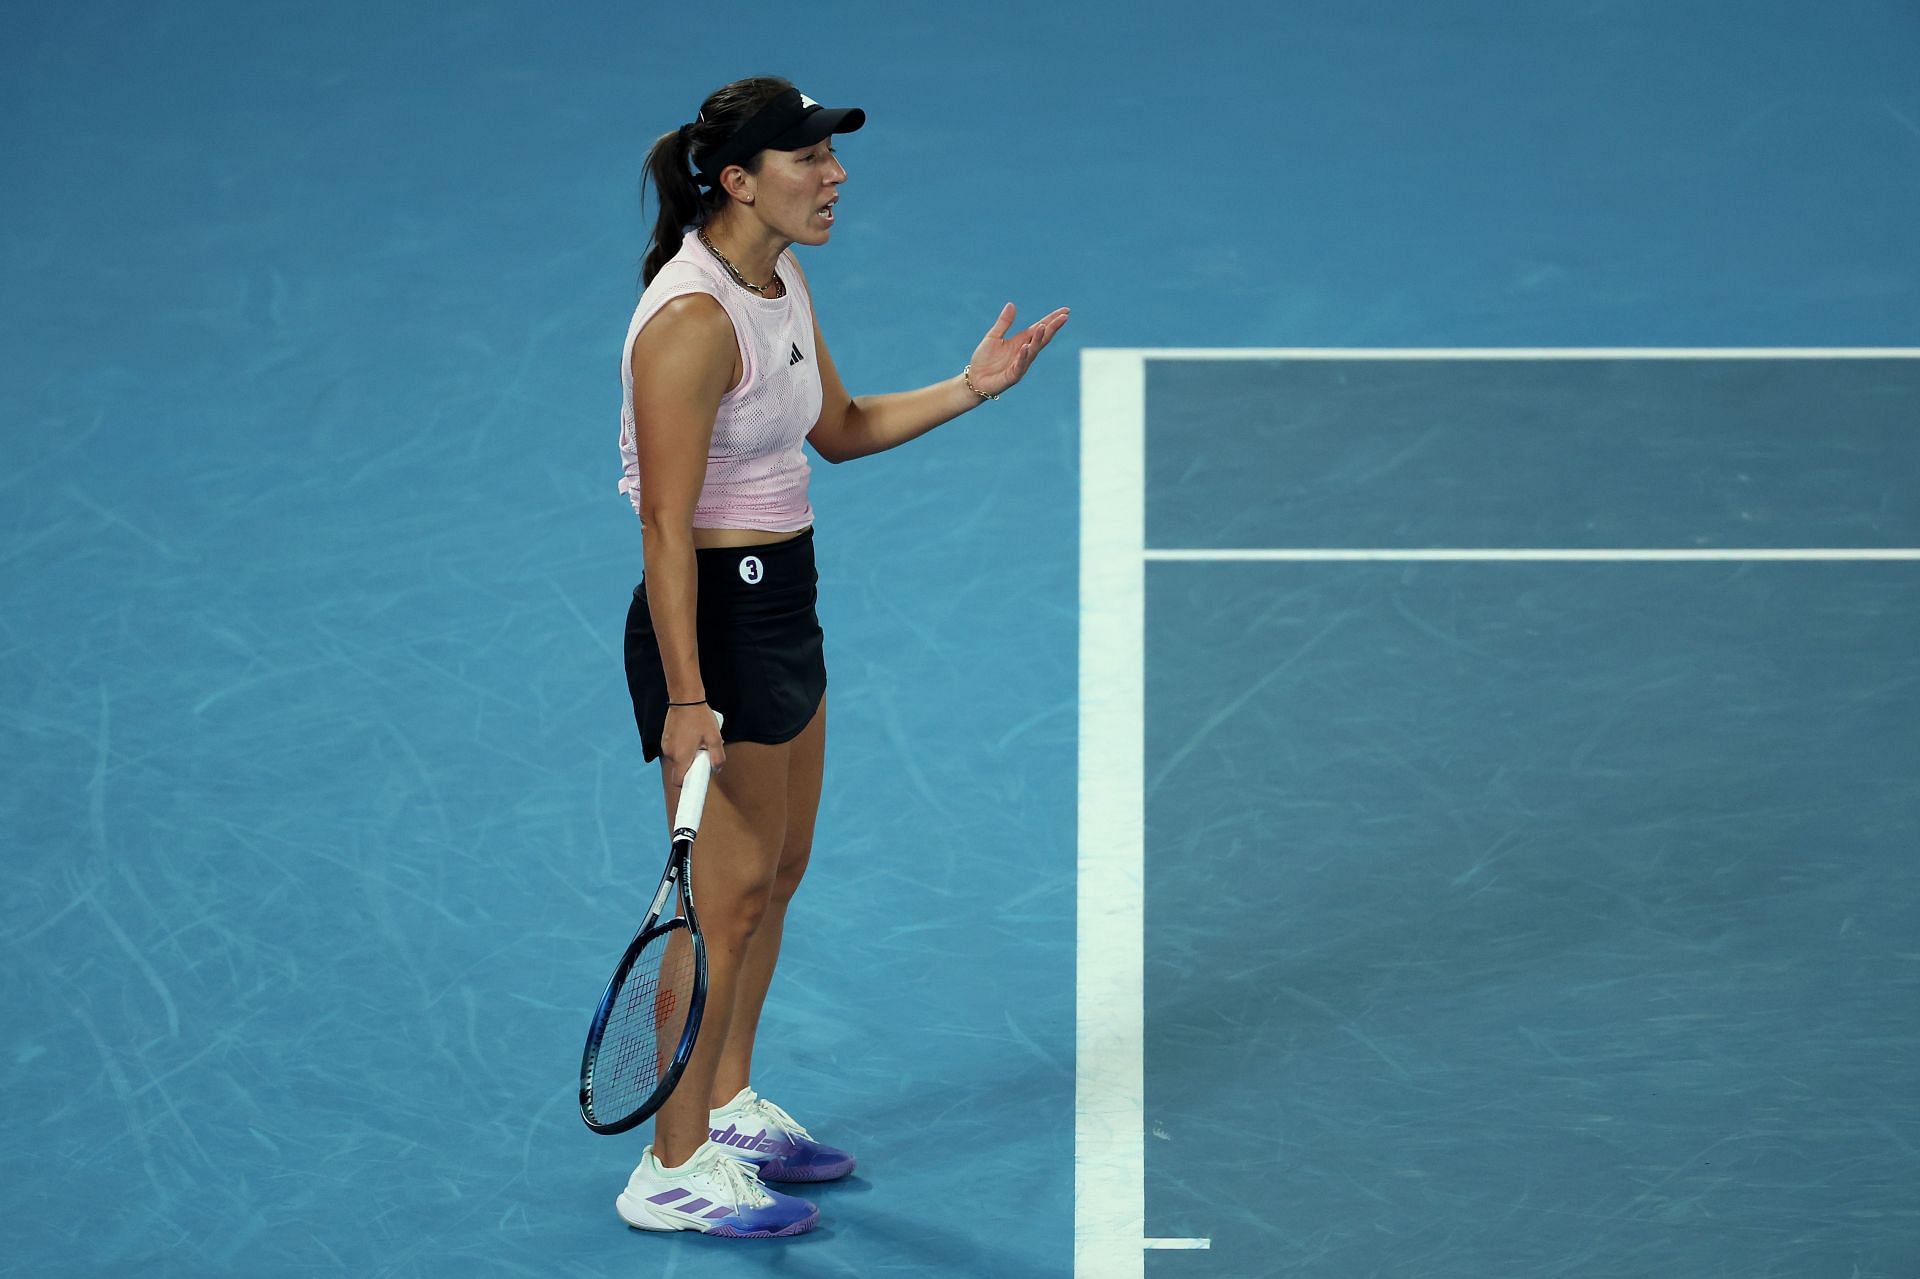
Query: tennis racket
(643,1031)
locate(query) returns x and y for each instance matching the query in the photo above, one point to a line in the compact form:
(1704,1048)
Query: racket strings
(645,1024)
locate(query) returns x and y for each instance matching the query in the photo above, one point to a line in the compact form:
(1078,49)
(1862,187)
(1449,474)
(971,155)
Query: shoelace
(772,1114)
(742,1185)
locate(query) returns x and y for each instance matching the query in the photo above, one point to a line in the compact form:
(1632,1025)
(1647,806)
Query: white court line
(1518,353)
(1109,1219)
(1109,1169)
(1185,1245)
(1229,555)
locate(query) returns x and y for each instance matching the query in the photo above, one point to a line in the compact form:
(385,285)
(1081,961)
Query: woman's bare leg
(735,864)
(804,770)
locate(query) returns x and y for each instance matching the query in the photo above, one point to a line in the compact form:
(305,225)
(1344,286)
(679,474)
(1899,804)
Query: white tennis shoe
(714,1193)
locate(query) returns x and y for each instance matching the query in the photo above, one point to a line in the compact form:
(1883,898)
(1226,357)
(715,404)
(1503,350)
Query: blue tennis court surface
(1545,918)
(1532,918)
(1529,919)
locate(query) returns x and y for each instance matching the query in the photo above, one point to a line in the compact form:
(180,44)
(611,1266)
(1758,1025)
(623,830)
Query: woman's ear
(738,183)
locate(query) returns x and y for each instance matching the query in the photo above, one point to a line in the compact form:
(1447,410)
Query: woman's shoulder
(676,280)
(677,275)
(690,319)
(679,310)
(692,310)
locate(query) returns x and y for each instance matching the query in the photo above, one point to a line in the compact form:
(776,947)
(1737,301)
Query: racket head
(643,1031)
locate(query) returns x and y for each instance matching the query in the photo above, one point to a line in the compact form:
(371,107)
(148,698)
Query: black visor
(791,122)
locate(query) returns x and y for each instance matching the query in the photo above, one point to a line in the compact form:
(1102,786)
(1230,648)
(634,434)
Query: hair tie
(686,135)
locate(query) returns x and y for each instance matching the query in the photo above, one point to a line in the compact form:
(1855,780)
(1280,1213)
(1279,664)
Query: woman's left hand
(1000,361)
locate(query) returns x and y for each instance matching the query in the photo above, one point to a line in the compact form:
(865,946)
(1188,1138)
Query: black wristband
(701,702)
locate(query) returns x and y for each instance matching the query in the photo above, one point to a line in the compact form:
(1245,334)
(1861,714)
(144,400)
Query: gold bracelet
(966,375)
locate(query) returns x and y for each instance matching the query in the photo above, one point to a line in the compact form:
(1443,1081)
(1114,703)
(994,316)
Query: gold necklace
(763,290)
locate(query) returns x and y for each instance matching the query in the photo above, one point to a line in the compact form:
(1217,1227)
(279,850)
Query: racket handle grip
(693,793)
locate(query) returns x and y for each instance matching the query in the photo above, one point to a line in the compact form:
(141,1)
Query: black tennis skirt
(761,654)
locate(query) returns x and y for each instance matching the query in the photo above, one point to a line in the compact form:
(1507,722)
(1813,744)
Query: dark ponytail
(671,164)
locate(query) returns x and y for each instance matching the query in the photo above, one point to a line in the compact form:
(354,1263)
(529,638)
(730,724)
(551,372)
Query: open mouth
(825,213)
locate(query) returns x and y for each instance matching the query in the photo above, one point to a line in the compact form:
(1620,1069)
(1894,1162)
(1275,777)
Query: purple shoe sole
(797,1228)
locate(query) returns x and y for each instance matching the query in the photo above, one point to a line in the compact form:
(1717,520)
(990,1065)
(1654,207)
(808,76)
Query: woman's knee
(738,890)
(741,861)
(793,866)
(735,920)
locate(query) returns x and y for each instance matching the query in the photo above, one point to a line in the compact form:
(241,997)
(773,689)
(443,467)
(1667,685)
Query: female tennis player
(724,374)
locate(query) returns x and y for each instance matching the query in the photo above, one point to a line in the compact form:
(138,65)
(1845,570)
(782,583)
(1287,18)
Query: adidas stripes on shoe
(712,1192)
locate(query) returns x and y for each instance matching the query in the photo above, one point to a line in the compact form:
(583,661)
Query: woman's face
(795,191)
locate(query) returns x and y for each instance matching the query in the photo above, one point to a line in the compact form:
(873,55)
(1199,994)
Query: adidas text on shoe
(756,1131)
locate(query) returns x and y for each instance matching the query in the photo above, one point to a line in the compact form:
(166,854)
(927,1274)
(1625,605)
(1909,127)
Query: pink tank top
(756,468)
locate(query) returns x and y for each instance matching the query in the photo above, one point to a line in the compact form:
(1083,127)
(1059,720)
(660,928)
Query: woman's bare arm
(683,362)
